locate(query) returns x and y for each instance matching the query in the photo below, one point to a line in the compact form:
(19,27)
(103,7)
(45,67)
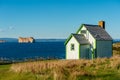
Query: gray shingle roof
(81,38)
(97,32)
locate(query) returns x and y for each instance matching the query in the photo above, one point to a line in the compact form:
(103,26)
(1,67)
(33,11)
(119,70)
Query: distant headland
(2,41)
(26,40)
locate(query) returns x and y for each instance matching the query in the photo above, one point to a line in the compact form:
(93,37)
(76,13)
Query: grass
(116,48)
(6,74)
(97,69)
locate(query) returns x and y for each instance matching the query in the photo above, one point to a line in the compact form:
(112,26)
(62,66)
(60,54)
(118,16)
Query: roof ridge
(90,25)
(76,34)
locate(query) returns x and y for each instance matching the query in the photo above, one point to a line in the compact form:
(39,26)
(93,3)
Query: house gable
(67,40)
(87,35)
(79,29)
(72,54)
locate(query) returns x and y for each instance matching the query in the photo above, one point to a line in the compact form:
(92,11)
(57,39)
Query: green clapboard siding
(104,48)
(84,51)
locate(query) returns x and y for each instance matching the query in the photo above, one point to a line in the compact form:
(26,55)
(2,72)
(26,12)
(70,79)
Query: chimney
(102,24)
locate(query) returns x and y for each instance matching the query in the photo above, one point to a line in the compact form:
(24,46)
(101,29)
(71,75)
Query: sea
(41,49)
(37,50)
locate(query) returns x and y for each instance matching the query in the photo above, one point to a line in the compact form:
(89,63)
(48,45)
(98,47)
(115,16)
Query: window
(72,47)
(83,31)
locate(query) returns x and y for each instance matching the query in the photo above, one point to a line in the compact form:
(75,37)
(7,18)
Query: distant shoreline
(36,40)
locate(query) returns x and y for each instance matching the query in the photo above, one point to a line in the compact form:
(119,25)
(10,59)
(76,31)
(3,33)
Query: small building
(90,41)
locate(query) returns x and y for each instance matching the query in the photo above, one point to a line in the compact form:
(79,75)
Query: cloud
(10,27)
(1,30)
(7,29)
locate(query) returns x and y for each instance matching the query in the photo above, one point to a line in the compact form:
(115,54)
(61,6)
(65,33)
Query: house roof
(98,32)
(95,30)
(81,38)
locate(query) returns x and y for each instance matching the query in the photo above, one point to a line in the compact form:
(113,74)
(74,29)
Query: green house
(90,41)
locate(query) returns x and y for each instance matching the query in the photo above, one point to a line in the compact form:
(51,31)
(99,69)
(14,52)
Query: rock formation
(2,41)
(26,40)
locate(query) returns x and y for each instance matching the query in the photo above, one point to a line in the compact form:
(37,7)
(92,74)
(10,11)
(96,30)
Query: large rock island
(26,40)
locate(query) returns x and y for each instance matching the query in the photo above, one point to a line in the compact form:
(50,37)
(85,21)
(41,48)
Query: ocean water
(14,50)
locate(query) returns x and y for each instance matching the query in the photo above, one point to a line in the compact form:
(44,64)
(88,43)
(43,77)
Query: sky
(46,19)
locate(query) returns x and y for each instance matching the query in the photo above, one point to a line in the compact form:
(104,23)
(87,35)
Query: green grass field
(6,74)
(97,69)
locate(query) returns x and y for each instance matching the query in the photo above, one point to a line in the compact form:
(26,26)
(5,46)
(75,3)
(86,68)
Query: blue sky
(56,18)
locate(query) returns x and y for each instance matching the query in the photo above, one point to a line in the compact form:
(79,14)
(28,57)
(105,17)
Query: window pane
(83,31)
(72,47)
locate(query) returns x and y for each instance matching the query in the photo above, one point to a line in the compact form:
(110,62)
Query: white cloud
(1,30)
(7,29)
(11,28)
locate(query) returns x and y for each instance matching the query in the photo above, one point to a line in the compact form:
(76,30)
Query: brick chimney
(101,24)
